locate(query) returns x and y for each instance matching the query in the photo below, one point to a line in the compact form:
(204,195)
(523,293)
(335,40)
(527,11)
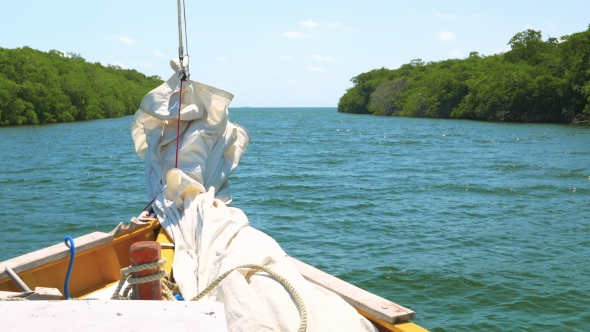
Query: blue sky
(281,53)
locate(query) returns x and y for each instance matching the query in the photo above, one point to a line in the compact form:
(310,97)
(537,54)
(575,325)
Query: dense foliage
(540,81)
(38,87)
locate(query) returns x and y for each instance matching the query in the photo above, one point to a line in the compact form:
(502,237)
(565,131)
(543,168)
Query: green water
(475,226)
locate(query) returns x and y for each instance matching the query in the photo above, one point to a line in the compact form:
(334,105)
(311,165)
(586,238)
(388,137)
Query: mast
(184,71)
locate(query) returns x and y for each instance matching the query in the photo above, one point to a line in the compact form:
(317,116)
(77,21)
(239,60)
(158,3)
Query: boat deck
(100,257)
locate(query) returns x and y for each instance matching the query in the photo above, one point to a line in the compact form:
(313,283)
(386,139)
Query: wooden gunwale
(100,257)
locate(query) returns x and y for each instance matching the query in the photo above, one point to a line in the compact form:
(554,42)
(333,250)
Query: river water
(476,226)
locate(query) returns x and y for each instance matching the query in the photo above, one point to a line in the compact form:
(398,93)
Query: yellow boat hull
(101,256)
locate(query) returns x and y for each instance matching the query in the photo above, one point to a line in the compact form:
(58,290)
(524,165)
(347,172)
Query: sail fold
(192,204)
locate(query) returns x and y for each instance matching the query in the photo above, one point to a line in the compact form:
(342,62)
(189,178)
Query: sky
(279,53)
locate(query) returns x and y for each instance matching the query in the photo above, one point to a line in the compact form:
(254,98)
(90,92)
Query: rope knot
(126,277)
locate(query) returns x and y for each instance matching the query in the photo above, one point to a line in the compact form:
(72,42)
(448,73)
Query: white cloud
(158,53)
(335,25)
(552,26)
(454,53)
(120,64)
(125,40)
(449,16)
(285,57)
(309,24)
(221,58)
(446,36)
(529,26)
(294,34)
(323,58)
(315,68)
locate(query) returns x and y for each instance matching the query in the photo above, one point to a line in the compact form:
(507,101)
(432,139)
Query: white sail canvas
(191,202)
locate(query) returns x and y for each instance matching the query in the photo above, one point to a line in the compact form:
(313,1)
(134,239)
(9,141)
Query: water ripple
(476,226)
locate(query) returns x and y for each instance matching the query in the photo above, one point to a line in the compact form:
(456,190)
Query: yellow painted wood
(384,326)
(123,242)
(406,327)
(94,268)
(99,267)
(9,286)
(108,263)
(86,272)
(87,292)
(30,280)
(167,252)
(52,276)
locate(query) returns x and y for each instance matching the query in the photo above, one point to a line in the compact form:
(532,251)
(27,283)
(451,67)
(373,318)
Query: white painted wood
(5,295)
(46,294)
(53,253)
(100,316)
(355,296)
(40,293)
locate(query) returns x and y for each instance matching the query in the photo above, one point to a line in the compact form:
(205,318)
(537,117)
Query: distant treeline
(536,81)
(38,87)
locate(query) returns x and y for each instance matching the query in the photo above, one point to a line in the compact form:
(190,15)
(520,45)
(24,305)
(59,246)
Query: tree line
(48,87)
(536,81)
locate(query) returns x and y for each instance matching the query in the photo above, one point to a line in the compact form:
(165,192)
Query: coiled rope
(126,277)
(169,287)
(278,277)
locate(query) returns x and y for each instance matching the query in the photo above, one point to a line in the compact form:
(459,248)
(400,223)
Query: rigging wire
(184,75)
(183,71)
(186,38)
(180,50)
(181,53)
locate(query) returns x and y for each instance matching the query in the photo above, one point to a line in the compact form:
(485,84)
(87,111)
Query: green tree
(534,81)
(387,97)
(38,87)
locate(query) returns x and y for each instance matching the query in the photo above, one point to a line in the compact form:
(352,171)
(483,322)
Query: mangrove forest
(535,81)
(48,87)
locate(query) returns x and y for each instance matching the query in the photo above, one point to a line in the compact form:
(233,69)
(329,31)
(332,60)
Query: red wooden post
(141,253)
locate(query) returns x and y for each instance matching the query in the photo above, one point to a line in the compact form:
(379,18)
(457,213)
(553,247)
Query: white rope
(278,277)
(126,276)
(169,287)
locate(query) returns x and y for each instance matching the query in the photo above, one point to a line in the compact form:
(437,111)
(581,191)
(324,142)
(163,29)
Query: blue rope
(70,244)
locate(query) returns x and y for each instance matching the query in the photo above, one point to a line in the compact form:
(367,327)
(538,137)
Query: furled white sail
(191,201)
